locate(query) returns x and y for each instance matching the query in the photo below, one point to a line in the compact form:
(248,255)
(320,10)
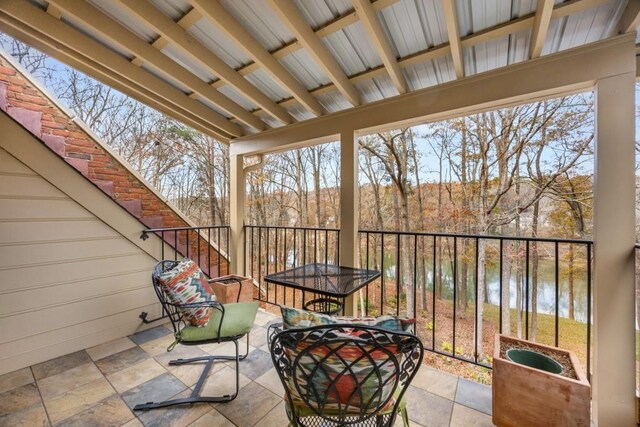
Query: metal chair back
(345,375)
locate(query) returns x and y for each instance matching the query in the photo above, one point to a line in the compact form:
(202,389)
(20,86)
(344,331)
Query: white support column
(614,236)
(349,207)
(237,214)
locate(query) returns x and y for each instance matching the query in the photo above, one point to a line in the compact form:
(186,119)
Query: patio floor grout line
(35,381)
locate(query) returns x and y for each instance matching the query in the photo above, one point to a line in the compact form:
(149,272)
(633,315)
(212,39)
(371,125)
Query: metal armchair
(228,322)
(344,375)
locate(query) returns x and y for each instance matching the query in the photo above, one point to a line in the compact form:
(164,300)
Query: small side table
(334,283)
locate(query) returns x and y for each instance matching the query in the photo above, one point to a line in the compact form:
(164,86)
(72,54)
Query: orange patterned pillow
(187,284)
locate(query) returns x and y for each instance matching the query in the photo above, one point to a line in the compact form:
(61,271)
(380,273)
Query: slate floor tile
(60,364)
(437,382)
(18,399)
(253,403)
(212,418)
(112,347)
(68,380)
(149,335)
(256,364)
(108,413)
(474,395)
(155,390)
(121,360)
(427,409)
(135,375)
(174,416)
(15,379)
(467,417)
(30,417)
(77,400)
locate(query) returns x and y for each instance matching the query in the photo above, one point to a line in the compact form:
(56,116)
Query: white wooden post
(349,207)
(237,214)
(614,237)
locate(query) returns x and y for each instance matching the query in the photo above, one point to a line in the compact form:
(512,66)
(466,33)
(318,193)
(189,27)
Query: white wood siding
(68,280)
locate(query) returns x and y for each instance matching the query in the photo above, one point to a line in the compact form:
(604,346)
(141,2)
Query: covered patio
(270,76)
(100,386)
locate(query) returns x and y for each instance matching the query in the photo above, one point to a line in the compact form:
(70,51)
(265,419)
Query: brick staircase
(30,104)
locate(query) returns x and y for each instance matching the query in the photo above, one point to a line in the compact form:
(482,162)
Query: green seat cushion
(238,320)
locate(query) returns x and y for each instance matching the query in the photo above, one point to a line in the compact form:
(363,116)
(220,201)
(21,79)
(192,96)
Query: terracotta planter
(226,288)
(525,396)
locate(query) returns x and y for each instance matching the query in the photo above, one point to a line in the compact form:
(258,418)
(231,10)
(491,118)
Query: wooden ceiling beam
(325,30)
(372,25)
(540,27)
(44,43)
(217,14)
(145,53)
(288,12)
(451,18)
(34,17)
(520,24)
(147,13)
(630,18)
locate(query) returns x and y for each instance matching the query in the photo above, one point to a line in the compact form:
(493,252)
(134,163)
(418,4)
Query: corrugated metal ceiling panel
(305,69)
(173,8)
(210,36)
(437,71)
(267,85)
(163,76)
(260,20)
(377,89)
(333,101)
(350,60)
(587,26)
(298,111)
(237,98)
(185,60)
(92,33)
(319,12)
(113,10)
(212,106)
(412,26)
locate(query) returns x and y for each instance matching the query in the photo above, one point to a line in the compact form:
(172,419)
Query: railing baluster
(526,292)
(326,246)
(477,263)
(557,293)
(275,268)
(455,285)
(433,298)
(382,275)
(366,304)
(589,311)
(162,245)
(398,275)
(415,277)
(209,252)
(187,255)
(260,263)
(501,275)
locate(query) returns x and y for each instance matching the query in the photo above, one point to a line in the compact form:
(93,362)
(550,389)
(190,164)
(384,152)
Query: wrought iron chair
(228,322)
(345,375)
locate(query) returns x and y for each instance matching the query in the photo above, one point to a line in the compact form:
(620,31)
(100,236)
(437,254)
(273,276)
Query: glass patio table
(332,282)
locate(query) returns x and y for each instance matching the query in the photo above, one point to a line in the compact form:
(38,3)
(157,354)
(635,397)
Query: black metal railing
(269,249)
(437,280)
(443,272)
(207,245)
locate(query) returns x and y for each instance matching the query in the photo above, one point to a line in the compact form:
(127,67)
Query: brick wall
(28,105)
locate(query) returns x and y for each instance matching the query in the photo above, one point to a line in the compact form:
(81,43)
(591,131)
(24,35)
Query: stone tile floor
(100,385)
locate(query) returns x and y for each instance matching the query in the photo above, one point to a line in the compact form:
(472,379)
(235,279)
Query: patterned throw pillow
(187,284)
(299,318)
